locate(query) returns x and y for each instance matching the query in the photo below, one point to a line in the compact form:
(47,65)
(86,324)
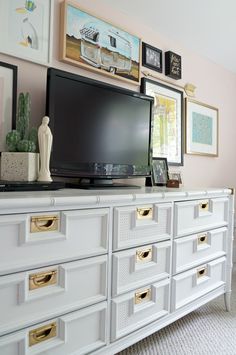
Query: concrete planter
(17,166)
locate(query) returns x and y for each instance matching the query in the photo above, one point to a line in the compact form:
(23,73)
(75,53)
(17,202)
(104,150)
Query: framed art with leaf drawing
(167,127)
(201,128)
(160,174)
(8,93)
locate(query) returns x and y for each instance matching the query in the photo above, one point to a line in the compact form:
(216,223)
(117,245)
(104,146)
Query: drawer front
(192,284)
(138,308)
(60,336)
(196,249)
(37,295)
(134,267)
(75,235)
(199,215)
(135,225)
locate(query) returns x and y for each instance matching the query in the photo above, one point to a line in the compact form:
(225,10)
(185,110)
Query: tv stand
(91,183)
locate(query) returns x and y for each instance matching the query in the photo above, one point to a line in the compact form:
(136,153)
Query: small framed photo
(160,174)
(173,67)
(175,175)
(151,57)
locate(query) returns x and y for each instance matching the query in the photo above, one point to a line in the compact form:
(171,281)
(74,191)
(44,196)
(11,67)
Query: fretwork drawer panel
(135,225)
(194,283)
(36,295)
(199,215)
(198,248)
(138,308)
(79,333)
(134,267)
(34,240)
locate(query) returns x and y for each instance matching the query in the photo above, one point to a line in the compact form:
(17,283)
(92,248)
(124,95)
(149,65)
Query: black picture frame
(173,65)
(160,174)
(8,93)
(170,146)
(151,57)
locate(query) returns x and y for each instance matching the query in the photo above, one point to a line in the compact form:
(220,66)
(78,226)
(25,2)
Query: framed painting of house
(89,42)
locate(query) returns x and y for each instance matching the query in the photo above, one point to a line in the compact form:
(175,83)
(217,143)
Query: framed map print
(201,128)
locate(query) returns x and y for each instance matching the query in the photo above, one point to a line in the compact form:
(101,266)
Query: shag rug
(209,330)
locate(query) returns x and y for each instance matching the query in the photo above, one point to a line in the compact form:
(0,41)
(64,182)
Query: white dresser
(96,271)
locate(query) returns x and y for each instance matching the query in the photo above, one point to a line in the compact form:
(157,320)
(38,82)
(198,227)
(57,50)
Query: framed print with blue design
(201,128)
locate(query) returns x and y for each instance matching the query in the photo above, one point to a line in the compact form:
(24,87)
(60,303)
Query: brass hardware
(201,272)
(42,333)
(144,255)
(232,190)
(142,296)
(202,239)
(204,206)
(44,224)
(42,279)
(144,213)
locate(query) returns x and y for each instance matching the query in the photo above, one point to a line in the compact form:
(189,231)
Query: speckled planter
(19,166)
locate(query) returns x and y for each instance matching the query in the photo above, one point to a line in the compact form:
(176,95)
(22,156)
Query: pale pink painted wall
(215,86)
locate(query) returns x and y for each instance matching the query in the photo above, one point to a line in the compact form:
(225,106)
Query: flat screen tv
(100,132)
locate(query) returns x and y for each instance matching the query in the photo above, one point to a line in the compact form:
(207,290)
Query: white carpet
(209,330)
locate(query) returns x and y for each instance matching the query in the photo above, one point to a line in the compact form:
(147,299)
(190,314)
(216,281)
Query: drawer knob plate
(43,224)
(142,296)
(144,255)
(202,239)
(201,272)
(144,213)
(42,333)
(204,206)
(42,279)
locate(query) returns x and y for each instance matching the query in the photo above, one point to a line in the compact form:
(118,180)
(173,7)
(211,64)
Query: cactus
(23,139)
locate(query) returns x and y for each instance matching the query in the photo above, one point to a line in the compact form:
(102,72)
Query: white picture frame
(25,28)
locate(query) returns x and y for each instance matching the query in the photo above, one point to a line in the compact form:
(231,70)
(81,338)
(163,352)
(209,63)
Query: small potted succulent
(21,161)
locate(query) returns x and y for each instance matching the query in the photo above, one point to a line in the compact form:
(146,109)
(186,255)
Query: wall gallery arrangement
(26,28)
(8,92)
(92,43)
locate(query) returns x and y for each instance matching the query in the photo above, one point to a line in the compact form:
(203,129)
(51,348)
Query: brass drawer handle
(42,279)
(44,224)
(142,296)
(204,206)
(202,239)
(201,272)
(43,333)
(144,213)
(144,255)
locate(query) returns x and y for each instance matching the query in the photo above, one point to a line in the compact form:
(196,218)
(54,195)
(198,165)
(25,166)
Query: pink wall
(215,86)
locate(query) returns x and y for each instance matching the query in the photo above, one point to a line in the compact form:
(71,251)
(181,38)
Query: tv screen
(99,131)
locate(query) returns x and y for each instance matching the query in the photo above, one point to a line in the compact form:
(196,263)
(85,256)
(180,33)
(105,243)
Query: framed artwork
(89,42)
(151,57)
(26,26)
(167,126)
(201,128)
(160,171)
(176,175)
(8,97)
(173,67)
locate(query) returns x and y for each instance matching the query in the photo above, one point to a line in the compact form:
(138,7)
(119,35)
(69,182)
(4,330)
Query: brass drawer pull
(142,296)
(44,224)
(204,206)
(43,333)
(201,272)
(144,255)
(144,213)
(42,279)
(202,239)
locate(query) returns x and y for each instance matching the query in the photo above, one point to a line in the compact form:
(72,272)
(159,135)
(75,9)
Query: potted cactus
(20,163)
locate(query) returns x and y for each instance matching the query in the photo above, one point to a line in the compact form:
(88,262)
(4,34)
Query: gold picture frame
(201,128)
(92,43)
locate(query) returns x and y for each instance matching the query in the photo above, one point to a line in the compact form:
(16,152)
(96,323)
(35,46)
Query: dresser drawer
(36,295)
(192,284)
(196,249)
(134,267)
(79,332)
(135,225)
(138,308)
(33,240)
(199,215)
